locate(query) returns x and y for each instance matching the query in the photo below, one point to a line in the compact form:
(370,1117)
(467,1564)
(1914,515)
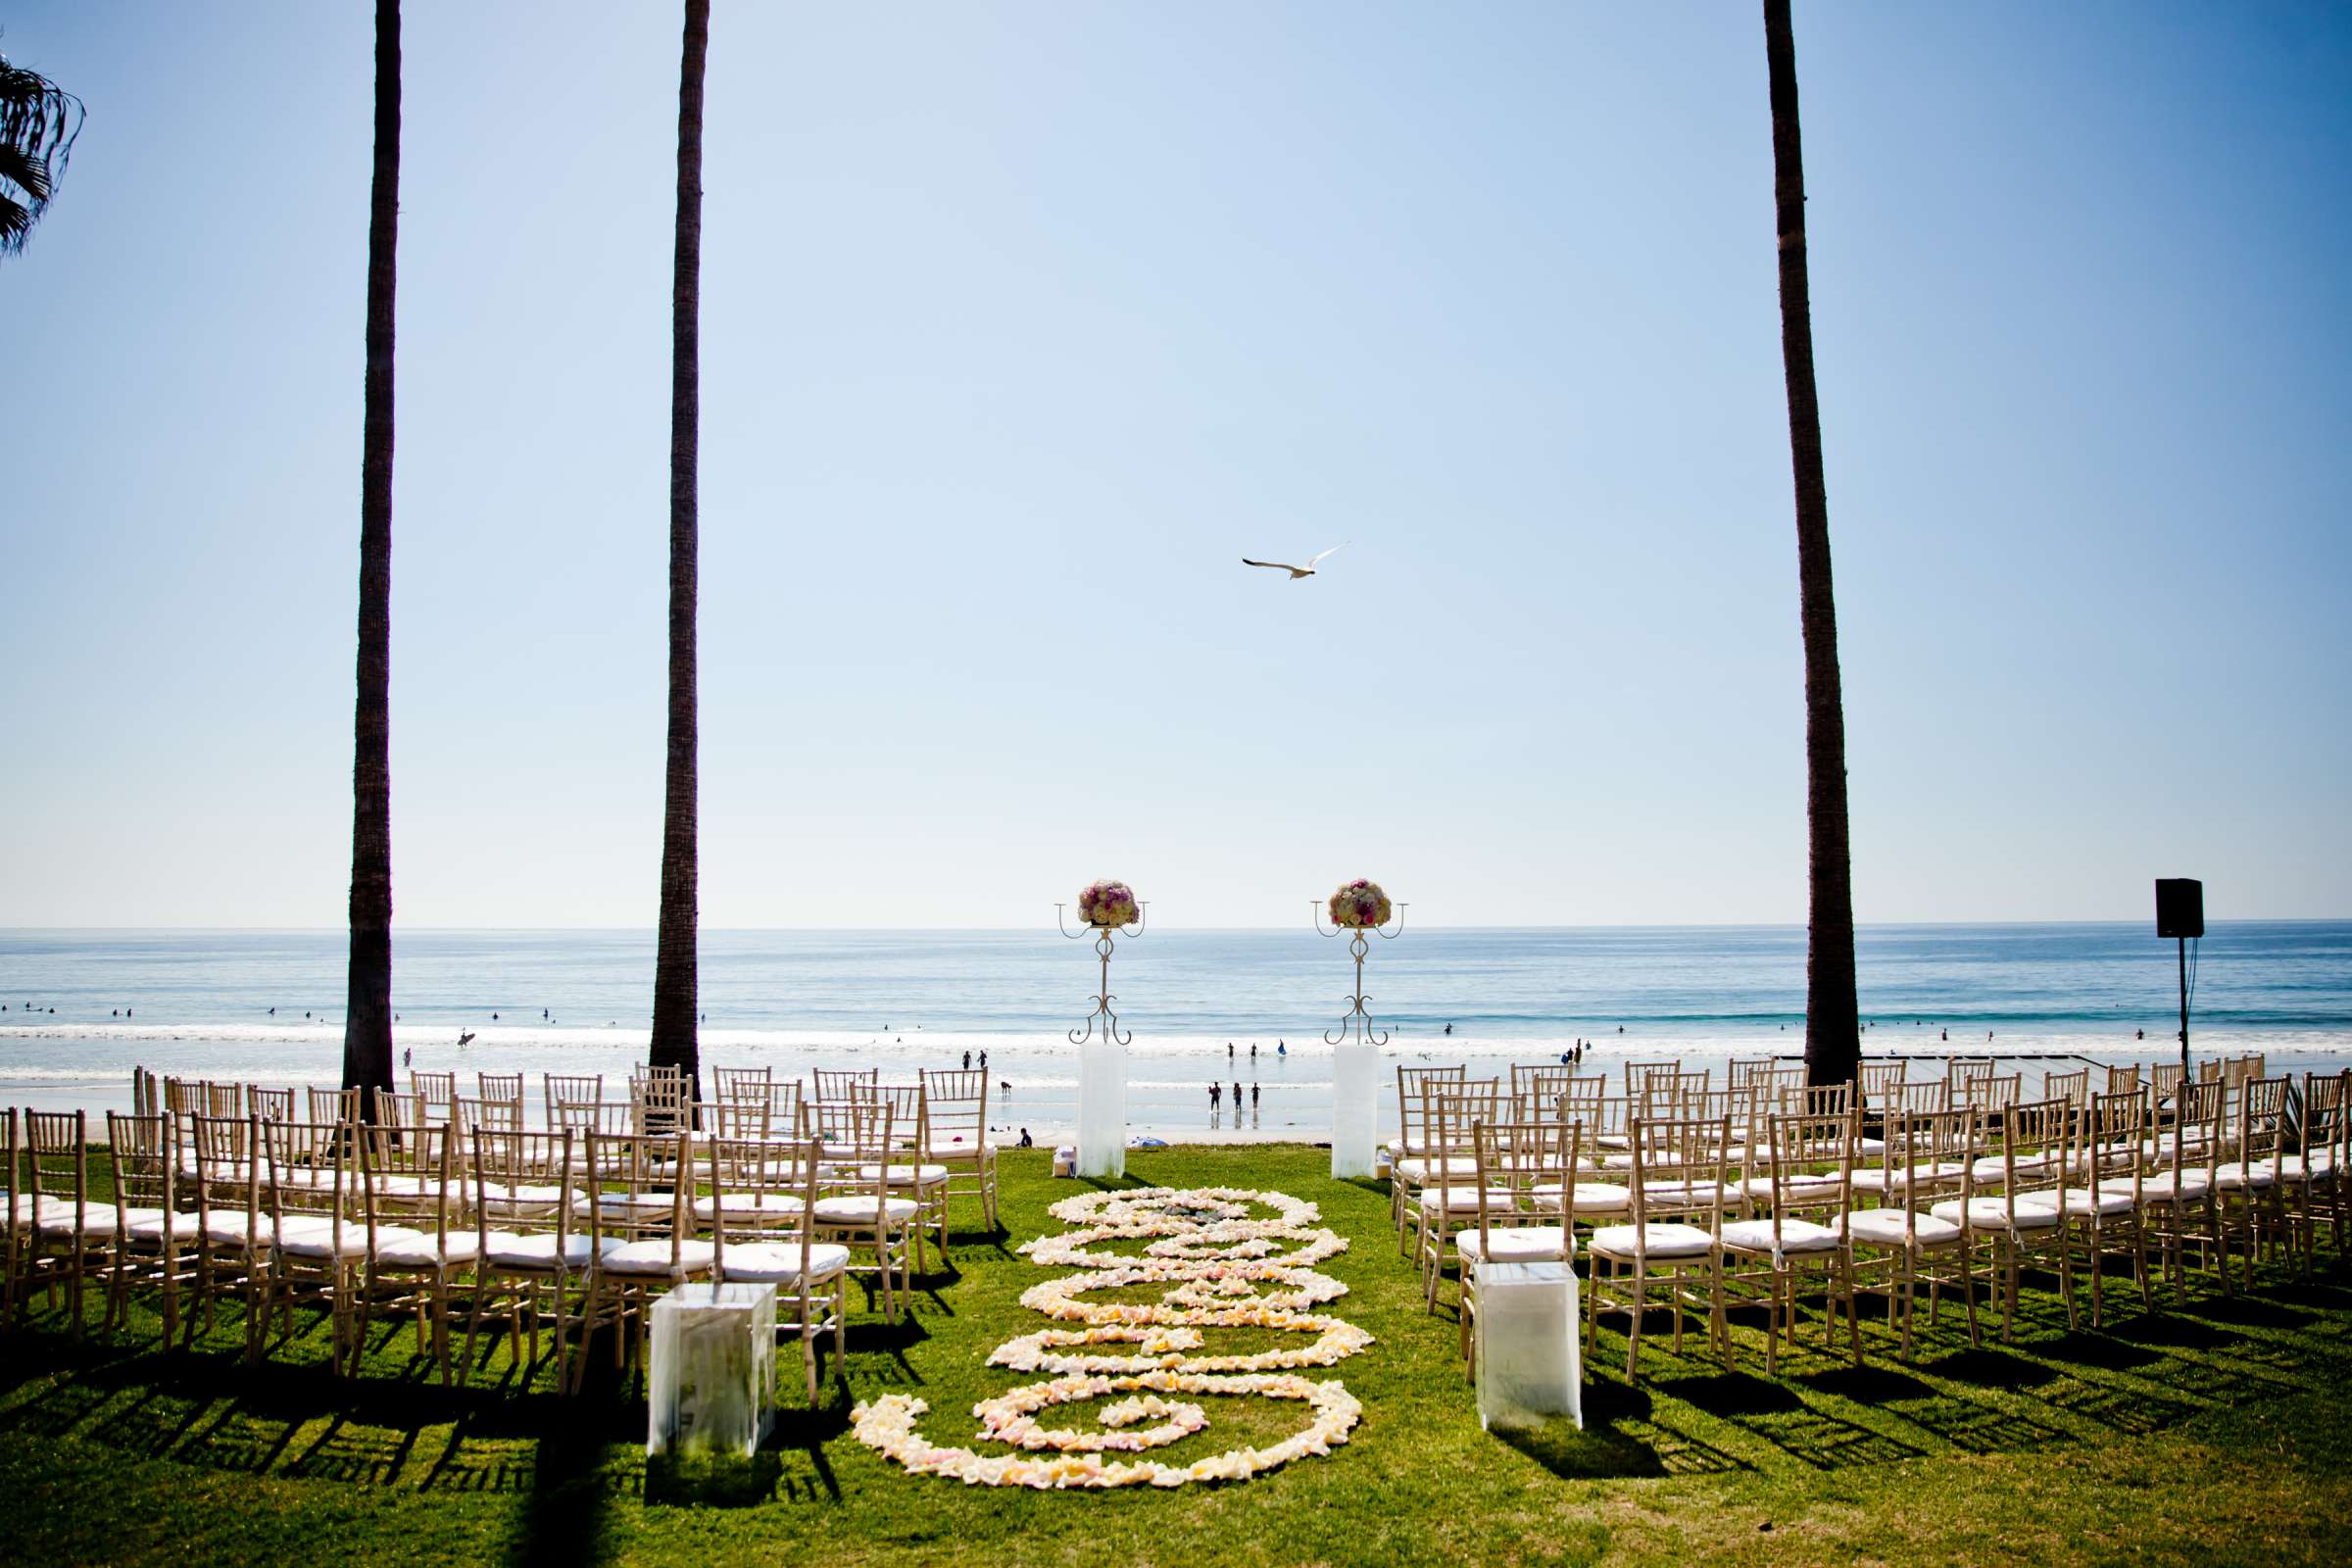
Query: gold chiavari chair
(2009,1225)
(310,1202)
(2100,1193)
(1449,1201)
(412,1266)
(333,1104)
(908,1173)
(1927,1156)
(2175,1194)
(740,1083)
(1810,1157)
(525,1242)
(1523,1167)
(20,1217)
(436,1097)
(2245,1183)
(396,1109)
(2312,1179)
(657,1104)
(1685,1159)
(2124,1079)
(855,1207)
(1879,1075)
(957,1103)
(1414,1151)
(562,1088)
(658,1251)
(70,1231)
(839,1083)
(155,1241)
(505,1088)
(271,1105)
(233,1254)
(762,1196)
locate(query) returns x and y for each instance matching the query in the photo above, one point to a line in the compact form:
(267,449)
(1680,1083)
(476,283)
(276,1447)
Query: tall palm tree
(38,123)
(675,1040)
(368,1006)
(1832,1032)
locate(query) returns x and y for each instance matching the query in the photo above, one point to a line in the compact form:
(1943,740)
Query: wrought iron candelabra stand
(1358,1022)
(1102,1014)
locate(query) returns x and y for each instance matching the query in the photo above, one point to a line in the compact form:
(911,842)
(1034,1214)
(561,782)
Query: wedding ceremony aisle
(2203,1429)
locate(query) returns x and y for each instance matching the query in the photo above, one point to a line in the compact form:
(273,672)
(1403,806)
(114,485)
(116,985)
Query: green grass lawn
(2214,1433)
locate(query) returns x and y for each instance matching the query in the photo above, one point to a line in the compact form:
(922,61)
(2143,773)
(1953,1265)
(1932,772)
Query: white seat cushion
(2236,1176)
(1996,1214)
(906,1175)
(1464,1200)
(1994,1168)
(530,1195)
(1884,1227)
(536,1252)
(2082,1204)
(779,1262)
(57,1214)
(1417,1171)
(2296,1168)
(2156,1187)
(1877,1179)
(653,1258)
(861,1211)
(147,1225)
(1801,1188)
(952,1149)
(300,1241)
(421,1253)
(1656,1240)
(779,1205)
(1511,1243)
(625,1206)
(227,1228)
(1698,1194)
(1797,1235)
(1591,1198)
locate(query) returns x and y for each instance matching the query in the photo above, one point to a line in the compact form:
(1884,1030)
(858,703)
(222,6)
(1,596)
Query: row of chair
(574,1227)
(1732,1194)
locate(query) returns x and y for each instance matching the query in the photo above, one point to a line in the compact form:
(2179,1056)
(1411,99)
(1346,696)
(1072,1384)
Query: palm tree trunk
(1832,1033)
(674,1041)
(368,1005)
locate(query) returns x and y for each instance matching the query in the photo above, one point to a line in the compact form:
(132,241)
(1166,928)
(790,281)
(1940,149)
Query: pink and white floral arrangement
(1213,1255)
(1359,903)
(1106,904)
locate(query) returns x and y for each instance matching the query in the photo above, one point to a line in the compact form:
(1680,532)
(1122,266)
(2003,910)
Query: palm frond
(39,123)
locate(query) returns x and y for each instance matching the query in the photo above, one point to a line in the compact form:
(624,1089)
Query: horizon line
(1007,930)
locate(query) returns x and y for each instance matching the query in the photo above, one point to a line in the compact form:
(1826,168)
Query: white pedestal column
(1355,1107)
(1530,1366)
(712,1387)
(1102,1109)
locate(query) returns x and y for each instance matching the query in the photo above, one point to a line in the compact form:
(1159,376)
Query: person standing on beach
(1216,1095)
(1227,1051)
(1236,1097)
(967,1062)
(1254,1096)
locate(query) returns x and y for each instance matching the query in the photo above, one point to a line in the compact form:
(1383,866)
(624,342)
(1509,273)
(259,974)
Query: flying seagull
(1297,573)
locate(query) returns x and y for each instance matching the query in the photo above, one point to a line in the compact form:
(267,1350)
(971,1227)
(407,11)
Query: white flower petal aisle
(1220,1269)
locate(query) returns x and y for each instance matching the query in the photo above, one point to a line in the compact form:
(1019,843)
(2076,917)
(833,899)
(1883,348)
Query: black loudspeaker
(2180,906)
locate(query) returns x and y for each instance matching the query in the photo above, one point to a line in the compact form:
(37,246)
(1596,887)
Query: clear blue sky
(1023,323)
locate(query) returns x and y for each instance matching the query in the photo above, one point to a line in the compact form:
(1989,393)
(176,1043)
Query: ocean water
(84,1007)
